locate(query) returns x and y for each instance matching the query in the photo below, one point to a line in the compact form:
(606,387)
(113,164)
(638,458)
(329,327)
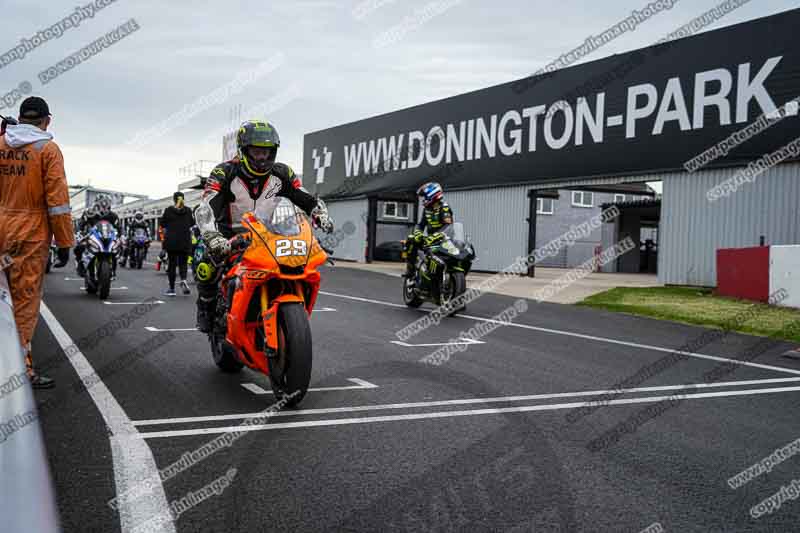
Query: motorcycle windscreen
(455,232)
(280,216)
(105,229)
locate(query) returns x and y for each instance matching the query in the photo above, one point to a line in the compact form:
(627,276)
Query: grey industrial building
(614,125)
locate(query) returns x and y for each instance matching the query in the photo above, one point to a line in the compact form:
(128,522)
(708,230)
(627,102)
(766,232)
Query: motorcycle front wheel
(103,279)
(455,284)
(89,278)
(290,370)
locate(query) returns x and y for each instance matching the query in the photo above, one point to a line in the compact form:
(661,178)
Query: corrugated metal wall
(495,221)
(692,228)
(349,217)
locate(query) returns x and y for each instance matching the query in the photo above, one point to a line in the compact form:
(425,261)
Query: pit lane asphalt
(499,471)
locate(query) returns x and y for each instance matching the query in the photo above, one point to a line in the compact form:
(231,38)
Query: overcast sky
(324,69)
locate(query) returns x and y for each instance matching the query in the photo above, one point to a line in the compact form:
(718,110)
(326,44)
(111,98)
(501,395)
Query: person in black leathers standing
(177,222)
(237,186)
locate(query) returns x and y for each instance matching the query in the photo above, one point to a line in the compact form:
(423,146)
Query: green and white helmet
(260,134)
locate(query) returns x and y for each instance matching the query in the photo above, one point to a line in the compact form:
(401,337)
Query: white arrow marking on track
(360,384)
(255,389)
(157,302)
(158,330)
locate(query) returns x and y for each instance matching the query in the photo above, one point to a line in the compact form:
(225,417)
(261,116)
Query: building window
(582,199)
(544,206)
(619,198)
(397,210)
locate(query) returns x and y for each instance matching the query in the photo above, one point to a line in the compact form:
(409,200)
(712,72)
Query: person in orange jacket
(34,208)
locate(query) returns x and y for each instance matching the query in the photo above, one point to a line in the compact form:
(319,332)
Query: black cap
(34,108)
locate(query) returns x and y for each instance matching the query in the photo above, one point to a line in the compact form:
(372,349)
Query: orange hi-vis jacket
(34,198)
(34,206)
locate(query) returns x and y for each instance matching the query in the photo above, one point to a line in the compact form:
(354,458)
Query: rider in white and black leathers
(236,187)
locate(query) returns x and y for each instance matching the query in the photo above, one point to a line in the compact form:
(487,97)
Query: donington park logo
(322,160)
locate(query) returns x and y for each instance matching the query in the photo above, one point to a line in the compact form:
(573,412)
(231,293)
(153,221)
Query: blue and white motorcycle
(100,258)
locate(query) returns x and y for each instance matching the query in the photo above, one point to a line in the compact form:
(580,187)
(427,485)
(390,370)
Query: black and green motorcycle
(441,269)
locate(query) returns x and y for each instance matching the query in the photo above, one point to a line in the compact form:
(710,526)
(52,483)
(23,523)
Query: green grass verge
(692,305)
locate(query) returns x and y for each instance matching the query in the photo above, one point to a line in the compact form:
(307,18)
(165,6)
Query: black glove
(63,257)
(283,171)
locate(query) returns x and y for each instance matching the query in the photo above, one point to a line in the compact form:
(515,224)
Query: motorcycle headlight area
(94,244)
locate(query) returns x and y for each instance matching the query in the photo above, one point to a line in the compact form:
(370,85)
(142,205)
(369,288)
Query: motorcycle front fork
(270,324)
(87,257)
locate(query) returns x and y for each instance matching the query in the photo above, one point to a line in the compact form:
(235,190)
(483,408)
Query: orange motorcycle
(268,287)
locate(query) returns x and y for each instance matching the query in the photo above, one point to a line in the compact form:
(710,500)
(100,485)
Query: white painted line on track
(368,300)
(360,384)
(156,302)
(463,341)
(73,279)
(450,414)
(587,337)
(466,401)
(112,288)
(132,458)
(158,330)
(324,309)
